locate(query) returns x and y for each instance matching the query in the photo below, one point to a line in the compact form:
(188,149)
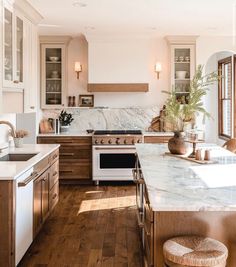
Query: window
(225,97)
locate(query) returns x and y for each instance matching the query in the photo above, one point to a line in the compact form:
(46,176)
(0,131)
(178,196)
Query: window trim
(226,60)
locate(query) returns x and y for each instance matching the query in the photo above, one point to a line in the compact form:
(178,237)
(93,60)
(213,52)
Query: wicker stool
(194,251)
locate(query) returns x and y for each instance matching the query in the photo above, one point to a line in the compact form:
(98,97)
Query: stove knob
(139,141)
(125,142)
(133,141)
(96,141)
(118,141)
(102,141)
(109,141)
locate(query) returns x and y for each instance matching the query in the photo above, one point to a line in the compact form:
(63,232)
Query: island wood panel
(75,157)
(118,87)
(217,225)
(7,223)
(156,139)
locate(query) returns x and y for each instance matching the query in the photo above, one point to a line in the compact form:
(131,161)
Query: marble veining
(109,118)
(179,185)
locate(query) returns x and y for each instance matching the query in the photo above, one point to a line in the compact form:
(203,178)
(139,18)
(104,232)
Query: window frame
(221,135)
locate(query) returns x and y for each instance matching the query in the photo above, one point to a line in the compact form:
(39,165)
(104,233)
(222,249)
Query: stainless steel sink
(17,157)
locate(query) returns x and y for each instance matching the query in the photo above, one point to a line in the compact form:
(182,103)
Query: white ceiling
(137,17)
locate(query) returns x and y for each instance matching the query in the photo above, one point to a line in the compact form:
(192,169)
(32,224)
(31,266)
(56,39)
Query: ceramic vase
(176,144)
(18,142)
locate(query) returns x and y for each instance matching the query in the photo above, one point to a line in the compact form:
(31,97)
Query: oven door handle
(114,148)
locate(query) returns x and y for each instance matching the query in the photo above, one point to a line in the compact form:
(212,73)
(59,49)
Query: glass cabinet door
(8,45)
(182,72)
(19,50)
(53,76)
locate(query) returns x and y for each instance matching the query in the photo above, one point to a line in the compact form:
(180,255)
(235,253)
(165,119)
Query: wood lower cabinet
(41,200)
(75,156)
(40,183)
(156,139)
(46,192)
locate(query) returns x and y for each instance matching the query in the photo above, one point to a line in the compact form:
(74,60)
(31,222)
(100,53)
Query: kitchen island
(179,197)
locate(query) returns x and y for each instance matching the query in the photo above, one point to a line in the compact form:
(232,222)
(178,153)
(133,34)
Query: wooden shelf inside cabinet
(52,62)
(183,62)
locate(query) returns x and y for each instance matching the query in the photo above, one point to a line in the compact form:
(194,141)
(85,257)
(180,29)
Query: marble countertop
(11,170)
(84,133)
(175,184)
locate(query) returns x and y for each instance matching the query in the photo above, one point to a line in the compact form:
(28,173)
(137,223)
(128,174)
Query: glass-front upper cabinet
(13,49)
(53,75)
(182,64)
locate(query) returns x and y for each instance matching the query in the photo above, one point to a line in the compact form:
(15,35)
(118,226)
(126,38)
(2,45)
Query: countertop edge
(41,155)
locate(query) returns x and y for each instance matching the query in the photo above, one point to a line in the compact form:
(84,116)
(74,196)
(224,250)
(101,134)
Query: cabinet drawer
(54,156)
(80,152)
(75,171)
(53,196)
(66,140)
(156,139)
(54,174)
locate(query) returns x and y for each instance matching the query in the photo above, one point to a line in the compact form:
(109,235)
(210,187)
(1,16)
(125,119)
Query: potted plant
(181,113)
(65,120)
(18,137)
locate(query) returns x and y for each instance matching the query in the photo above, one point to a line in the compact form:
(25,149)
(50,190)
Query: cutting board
(45,126)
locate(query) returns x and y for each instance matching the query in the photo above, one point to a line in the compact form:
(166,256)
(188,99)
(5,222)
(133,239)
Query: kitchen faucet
(13,132)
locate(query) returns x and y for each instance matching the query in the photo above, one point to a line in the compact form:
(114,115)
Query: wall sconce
(158,69)
(78,68)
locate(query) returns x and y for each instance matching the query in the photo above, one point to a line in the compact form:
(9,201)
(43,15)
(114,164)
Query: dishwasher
(24,213)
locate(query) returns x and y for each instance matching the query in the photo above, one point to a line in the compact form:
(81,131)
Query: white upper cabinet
(19,64)
(182,64)
(13,48)
(53,71)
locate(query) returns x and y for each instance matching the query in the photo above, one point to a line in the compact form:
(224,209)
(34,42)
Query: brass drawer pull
(54,174)
(67,154)
(54,196)
(55,156)
(33,176)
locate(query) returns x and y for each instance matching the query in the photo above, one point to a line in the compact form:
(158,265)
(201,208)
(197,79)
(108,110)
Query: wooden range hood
(118,87)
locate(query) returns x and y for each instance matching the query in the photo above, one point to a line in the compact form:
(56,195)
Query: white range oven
(114,154)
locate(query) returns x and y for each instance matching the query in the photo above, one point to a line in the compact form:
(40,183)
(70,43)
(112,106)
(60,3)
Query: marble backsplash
(108,118)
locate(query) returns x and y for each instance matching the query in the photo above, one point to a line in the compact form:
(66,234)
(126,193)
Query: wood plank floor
(91,226)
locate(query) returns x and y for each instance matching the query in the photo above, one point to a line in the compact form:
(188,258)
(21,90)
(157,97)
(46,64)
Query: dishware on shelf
(176,59)
(187,58)
(54,59)
(54,74)
(180,74)
(181,58)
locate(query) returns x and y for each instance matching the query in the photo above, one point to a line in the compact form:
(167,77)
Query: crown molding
(28,11)
(181,39)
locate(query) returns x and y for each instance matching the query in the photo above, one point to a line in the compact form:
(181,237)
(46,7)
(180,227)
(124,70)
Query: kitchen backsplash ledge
(108,118)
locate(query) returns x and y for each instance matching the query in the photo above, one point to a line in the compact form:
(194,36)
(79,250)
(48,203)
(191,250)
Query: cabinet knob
(16,81)
(32,107)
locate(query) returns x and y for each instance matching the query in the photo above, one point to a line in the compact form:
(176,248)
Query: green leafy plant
(177,112)
(65,118)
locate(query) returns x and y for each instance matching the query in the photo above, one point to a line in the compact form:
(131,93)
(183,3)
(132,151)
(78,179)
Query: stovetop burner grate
(117,132)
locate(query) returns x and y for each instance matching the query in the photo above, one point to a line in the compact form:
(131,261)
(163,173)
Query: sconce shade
(78,67)
(158,67)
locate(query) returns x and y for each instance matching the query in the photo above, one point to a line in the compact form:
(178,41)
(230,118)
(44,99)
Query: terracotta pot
(176,144)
